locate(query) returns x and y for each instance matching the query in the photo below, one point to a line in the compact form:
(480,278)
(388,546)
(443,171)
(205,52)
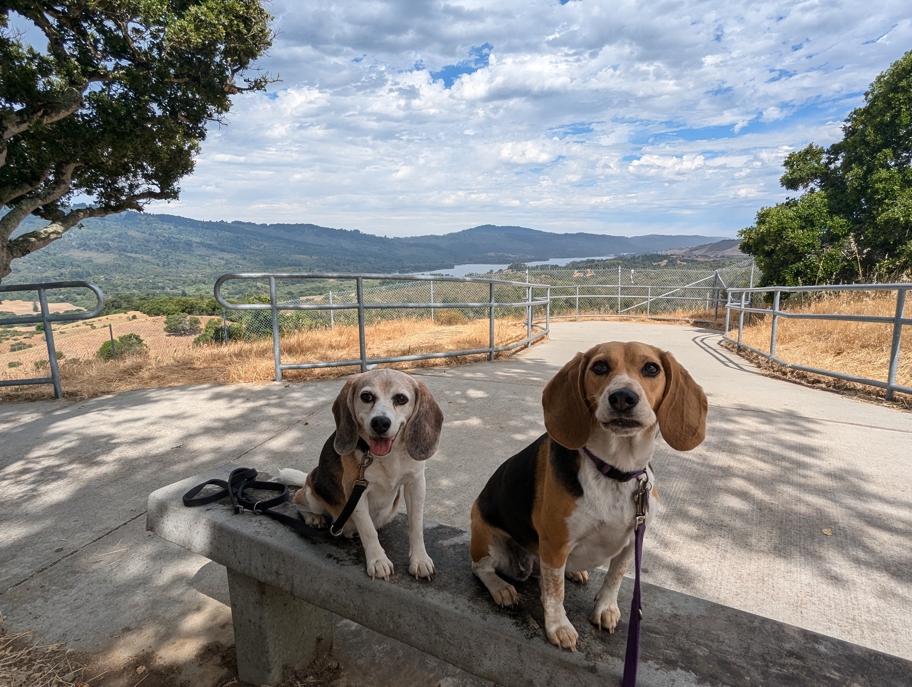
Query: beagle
(391,421)
(556,508)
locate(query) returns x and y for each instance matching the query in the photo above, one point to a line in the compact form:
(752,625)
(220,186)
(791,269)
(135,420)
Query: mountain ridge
(156,253)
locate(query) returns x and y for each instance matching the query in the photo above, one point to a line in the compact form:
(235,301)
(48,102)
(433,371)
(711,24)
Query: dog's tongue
(380,446)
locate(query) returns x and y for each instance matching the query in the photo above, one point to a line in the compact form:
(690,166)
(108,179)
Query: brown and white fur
(549,509)
(398,418)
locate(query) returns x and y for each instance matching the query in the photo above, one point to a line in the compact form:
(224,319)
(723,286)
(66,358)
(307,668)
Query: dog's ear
(682,414)
(567,415)
(422,433)
(346,425)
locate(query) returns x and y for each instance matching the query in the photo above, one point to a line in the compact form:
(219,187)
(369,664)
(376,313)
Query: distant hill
(728,248)
(147,253)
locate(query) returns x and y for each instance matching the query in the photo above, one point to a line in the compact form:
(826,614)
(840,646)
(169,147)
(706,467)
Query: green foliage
(114,107)
(155,306)
(213,332)
(181,324)
(128,344)
(13,363)
(19,346)
(854,222)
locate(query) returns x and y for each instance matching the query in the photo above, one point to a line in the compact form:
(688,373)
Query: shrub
(40,364)
(128,344)
(19,346)
(181,324)
(13,363)
(213,333)
(449,317)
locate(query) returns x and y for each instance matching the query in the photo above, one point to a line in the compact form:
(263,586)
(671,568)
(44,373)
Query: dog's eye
(400,399)
(367,397)
(651,370)
(600,367)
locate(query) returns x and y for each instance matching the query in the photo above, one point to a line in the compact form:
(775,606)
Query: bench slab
(686,641)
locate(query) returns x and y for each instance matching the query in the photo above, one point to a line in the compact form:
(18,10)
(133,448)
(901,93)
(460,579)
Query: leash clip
(641,499)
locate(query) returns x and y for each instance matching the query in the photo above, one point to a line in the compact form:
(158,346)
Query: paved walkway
(741,523)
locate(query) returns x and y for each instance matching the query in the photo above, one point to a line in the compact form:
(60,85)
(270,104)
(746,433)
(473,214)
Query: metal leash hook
(641,500)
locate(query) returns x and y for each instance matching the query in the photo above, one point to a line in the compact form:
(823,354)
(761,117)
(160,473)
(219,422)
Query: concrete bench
(284,590)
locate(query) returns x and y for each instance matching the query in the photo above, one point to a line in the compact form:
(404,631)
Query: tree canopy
(854,221)
(109,104)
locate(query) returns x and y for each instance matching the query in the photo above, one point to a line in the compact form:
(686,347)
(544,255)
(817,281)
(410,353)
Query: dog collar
(609,470)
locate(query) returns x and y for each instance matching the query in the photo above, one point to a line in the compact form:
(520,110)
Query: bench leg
(274,630)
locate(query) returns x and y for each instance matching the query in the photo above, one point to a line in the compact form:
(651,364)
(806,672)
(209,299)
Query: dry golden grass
(253,361)
(859,349)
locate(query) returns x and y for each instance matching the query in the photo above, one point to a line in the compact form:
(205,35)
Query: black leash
(242,480)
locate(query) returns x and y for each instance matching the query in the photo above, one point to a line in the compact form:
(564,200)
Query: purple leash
(632,654)
(641,500)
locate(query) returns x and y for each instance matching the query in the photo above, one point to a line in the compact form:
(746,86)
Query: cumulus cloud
(407,116)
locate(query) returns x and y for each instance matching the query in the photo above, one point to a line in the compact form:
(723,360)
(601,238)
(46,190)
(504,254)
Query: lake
(483,268)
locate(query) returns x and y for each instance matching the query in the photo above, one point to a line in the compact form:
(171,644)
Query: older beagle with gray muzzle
(563,505)
(390,421)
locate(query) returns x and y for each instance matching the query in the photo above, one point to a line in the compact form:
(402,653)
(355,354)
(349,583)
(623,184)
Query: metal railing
(529,303)
(46,318)
(739,301)
(629,298)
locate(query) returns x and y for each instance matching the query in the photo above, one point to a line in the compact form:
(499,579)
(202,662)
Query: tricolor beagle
(552,509)
(395,419)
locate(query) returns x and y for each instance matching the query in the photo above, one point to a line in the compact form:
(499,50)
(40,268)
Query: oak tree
(104,103)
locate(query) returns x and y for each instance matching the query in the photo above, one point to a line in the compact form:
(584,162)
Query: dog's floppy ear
(423,429)
(346,425)
(567,415)
(682,415)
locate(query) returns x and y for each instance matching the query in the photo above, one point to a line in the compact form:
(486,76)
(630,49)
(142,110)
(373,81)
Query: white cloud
(632,118)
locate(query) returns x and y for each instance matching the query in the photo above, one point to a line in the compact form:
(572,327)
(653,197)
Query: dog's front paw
(581,577)
(381,566)
(313,520)
(606,616)
(562,634)
(421,566)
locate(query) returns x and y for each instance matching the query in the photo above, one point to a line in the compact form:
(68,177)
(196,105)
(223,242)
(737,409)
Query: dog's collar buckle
(368,459)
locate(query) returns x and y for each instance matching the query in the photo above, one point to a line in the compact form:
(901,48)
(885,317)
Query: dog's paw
(562,634)
(313,520)
(380,566)
(581,577)
(505,595)
(421,566)
(606,616)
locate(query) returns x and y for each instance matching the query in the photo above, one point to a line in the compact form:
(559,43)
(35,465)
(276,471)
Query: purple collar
(610,470)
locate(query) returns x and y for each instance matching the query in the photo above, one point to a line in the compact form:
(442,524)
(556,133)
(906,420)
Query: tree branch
(22,119)
(23,209)
(8,194)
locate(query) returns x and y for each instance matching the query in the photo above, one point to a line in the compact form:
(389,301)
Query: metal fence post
(491,324)
(648,299)
(577,303)
(359,284)
(224,327)
(716,295)
(332,313)
(432,302)
(529,314)
(49,339)
(273,303)
(111,334)
(619,289)
(897,340)
(775,327)
(548,310)
(741,319)
(728,301)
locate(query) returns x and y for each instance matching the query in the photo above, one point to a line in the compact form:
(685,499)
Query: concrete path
(741,524)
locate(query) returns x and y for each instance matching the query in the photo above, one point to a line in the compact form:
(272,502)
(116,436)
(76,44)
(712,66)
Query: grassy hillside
(165,254)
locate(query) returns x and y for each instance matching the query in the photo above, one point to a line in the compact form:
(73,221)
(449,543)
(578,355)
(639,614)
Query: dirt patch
(29,307)
(25,664)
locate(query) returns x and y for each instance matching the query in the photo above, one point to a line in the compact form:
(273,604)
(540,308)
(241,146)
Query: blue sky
(403,118)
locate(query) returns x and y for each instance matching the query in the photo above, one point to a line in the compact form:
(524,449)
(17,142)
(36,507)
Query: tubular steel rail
(743,305)
(46,318)
(274,306)
(643,295)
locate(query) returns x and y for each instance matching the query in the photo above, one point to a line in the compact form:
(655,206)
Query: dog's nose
(380,424)
(623,400)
